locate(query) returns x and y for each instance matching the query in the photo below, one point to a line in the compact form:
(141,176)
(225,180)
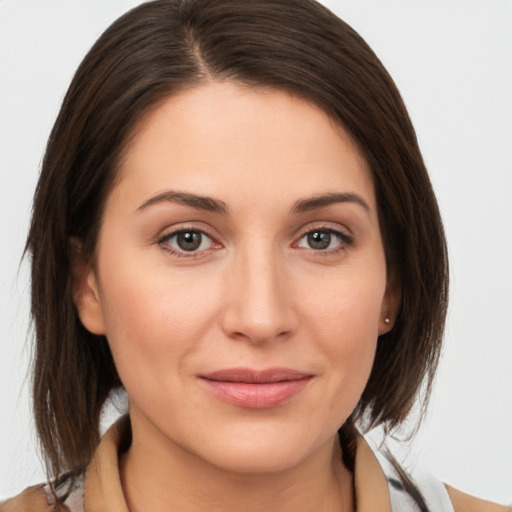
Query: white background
(452,61)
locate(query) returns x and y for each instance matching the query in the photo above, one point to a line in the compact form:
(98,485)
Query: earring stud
(387,320)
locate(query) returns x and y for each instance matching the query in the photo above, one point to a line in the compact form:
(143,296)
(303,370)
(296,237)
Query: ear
(85,290)
(390,305)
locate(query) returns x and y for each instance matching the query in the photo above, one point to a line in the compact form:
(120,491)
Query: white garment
(431,489)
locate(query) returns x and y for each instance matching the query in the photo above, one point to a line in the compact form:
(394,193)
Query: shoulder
(41,498)
(32,499)
(463,502)
(419,490)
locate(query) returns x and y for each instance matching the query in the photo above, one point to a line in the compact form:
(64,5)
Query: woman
(246,240)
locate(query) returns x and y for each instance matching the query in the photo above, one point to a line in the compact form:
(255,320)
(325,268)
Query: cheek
(347,306)
(343,318)
(152,313)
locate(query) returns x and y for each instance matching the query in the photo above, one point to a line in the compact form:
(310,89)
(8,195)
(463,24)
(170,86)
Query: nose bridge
(259,305)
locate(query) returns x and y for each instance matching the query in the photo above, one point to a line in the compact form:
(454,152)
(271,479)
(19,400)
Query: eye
(187,241)
(324,240)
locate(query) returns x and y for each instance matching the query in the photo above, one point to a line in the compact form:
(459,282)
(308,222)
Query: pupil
(189,240)
(319,240)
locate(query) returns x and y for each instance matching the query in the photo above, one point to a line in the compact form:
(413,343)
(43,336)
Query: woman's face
(240,278)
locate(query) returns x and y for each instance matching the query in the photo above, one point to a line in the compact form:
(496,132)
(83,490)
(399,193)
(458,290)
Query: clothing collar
(103,490)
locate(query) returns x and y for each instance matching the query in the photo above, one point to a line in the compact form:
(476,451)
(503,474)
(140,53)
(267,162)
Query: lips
(255,389)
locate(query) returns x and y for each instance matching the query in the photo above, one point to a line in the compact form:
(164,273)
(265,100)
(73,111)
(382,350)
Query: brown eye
(189,240)
(319,240)
(327,240)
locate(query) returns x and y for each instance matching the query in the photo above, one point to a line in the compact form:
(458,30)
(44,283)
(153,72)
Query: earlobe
(385,324)
(390,306)
(85,289)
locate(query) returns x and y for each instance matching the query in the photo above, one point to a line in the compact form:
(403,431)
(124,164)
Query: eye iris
(189,240)
(319,240)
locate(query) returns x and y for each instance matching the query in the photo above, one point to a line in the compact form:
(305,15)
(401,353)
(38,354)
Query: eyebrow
(321,201)
(210,204)
(195,201)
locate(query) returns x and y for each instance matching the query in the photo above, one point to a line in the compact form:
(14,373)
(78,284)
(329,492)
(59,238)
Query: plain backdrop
(452,61)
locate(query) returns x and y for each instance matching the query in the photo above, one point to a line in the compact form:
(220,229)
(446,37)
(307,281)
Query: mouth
(255,389)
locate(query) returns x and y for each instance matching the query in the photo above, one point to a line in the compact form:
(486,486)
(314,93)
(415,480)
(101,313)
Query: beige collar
(103,490)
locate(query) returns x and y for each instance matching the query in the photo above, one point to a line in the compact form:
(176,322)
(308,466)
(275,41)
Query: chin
(259,462)
(266,451)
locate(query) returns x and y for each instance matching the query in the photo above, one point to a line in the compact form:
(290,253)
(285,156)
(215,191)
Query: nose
(259,306)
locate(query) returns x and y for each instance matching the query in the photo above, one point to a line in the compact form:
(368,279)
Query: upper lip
(254,376)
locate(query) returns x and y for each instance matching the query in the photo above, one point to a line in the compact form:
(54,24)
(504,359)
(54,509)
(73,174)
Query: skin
(257,293)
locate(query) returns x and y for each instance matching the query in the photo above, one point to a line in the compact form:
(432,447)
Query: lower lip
(258,395)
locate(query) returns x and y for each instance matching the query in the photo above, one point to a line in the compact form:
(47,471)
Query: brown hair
(165,46)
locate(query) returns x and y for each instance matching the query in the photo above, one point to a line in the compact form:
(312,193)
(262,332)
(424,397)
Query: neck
(159,475)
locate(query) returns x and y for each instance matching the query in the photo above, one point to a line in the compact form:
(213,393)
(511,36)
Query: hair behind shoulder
(166,46)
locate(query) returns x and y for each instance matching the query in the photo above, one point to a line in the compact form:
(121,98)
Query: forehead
(230,140)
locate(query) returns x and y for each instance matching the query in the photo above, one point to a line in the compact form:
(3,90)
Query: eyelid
(163,238)
(344,234)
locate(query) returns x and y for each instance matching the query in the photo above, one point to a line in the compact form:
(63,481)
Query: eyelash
(164,242)
(345,241)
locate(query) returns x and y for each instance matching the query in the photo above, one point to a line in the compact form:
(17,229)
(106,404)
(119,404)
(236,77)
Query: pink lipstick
(255,389)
